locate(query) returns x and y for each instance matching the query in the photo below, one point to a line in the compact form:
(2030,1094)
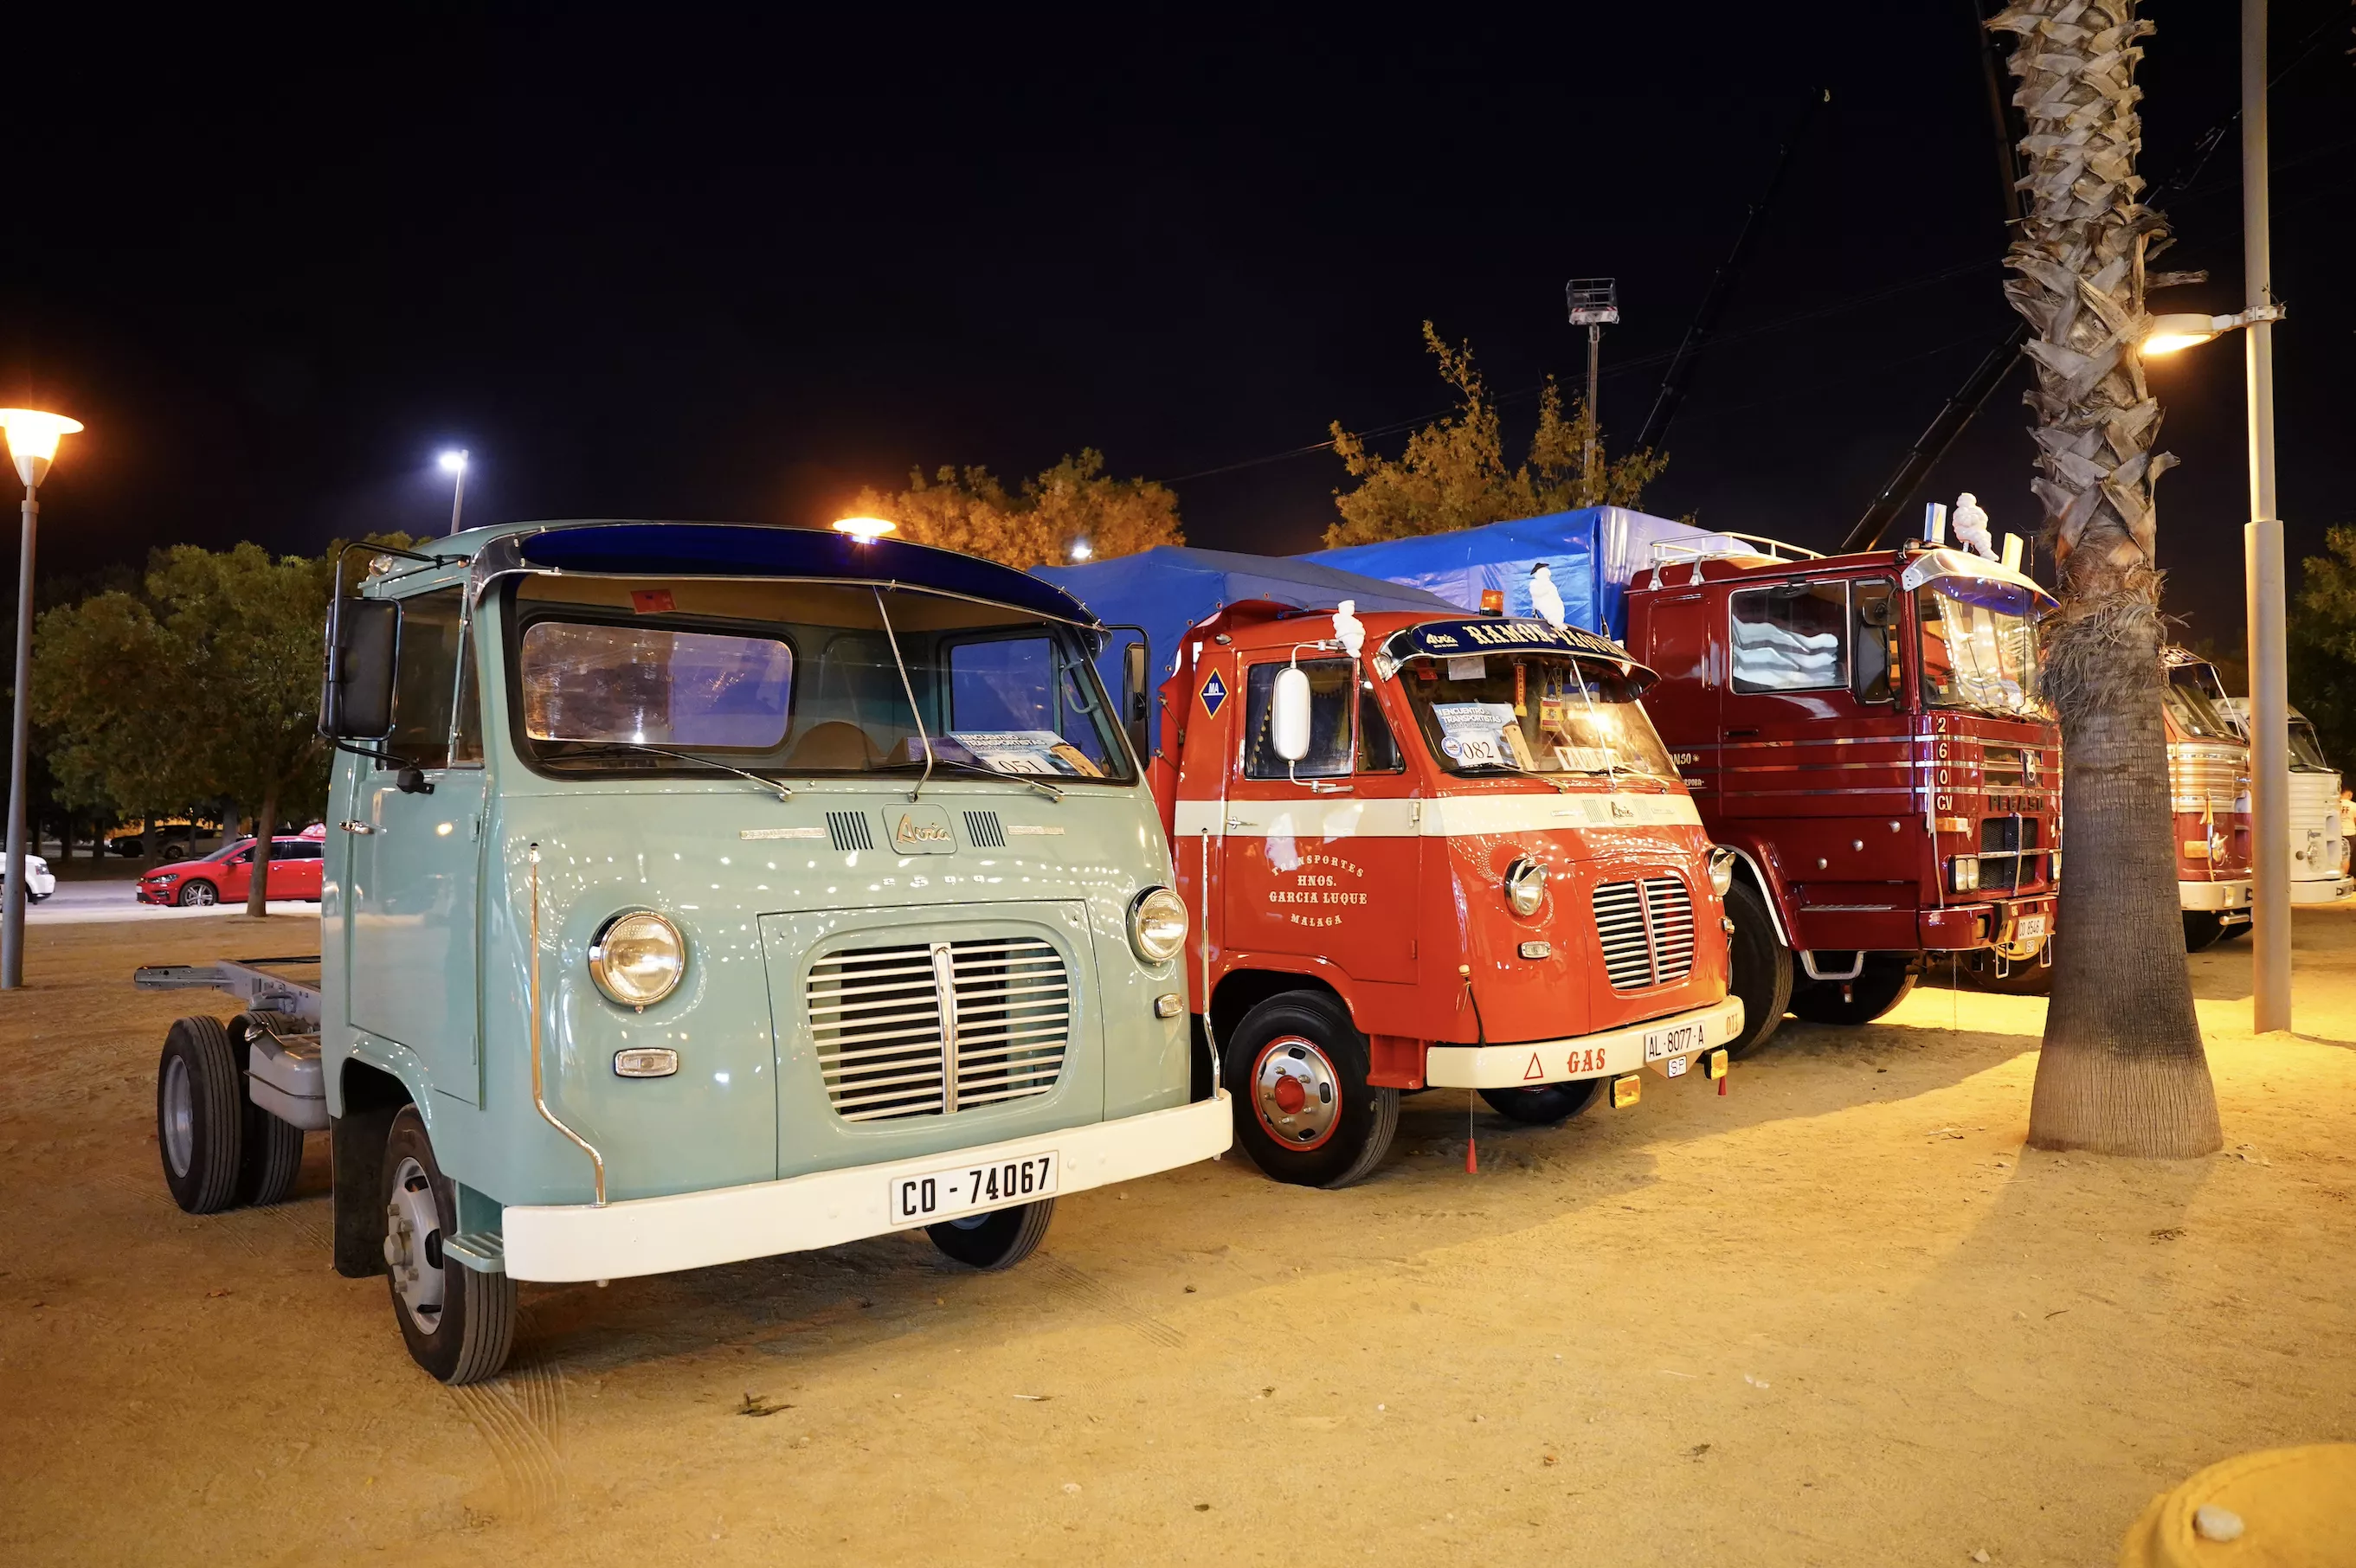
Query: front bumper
(826,1208)
(2322,890)
(2229,895)
(1608,1054)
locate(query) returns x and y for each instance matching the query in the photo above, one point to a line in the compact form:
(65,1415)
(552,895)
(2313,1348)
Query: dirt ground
(1836,1317)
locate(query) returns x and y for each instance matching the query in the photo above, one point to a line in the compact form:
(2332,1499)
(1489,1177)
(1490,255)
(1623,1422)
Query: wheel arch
(1240,990)
(1753,866)
(370,1098)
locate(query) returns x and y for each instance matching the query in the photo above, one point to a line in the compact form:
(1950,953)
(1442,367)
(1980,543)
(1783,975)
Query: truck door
(1322,854)
(1679,646)
(416,868)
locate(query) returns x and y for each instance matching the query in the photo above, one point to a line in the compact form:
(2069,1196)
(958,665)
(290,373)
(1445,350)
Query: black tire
(1883,984)
(1763,968)
(995,1240)
(197,891)
(272,1158)
(1351,1126)
(2022,977)
(1545,1104)
(200,1116)
(468,1336)
(2201,930)
(33,897)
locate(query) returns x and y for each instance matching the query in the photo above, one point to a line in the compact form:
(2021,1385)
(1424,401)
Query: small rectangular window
(1791,637)
(424,673)
(1874,605)
(1378,749)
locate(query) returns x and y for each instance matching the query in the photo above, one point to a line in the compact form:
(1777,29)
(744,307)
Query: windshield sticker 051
(1474,733)
(1026,751)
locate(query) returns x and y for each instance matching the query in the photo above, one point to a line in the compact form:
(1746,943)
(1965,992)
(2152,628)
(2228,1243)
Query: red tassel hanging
(1471,1158)
(1722,1083)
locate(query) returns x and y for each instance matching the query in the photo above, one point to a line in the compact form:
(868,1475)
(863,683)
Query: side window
(423,677)
(295,850)
(1873,604)
(1378,749)
(1792,637)
(1329,721)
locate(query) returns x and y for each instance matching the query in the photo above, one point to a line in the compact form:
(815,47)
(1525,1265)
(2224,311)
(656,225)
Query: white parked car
(39,881)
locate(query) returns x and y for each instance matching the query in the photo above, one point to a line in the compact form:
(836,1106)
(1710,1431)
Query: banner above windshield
(1452,639)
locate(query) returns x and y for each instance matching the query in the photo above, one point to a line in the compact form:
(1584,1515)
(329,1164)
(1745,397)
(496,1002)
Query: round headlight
(1526,886)
(1722,871)
(1157,924)
(638,958)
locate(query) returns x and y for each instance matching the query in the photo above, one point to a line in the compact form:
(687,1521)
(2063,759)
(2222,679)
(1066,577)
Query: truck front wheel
(2022,977)
(1304,1111)
(998,1240)
(1881,985)
(459,1323)
(1763,969)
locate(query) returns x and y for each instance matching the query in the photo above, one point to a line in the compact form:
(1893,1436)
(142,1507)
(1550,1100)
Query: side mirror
(1288,722)
(363,636)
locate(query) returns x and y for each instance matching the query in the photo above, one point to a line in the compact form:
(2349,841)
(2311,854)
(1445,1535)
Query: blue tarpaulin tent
(1167,589)
(1592,554)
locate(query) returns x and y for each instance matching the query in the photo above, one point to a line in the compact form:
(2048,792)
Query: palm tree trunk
(265,828)
(2123,1070)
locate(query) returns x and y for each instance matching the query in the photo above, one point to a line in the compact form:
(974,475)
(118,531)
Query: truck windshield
(1979,645)
(2195,712)
(799,680)
(1531,713)
(2306,750)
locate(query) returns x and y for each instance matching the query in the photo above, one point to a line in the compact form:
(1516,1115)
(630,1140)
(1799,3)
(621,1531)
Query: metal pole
(12,897)
(2269,688)
(458,495)
(1594,419)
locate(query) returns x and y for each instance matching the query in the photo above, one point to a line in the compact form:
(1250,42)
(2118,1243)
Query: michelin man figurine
(1971,527)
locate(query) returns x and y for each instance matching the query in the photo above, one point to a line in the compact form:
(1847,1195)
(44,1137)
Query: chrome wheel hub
(1296,1091)
(412,1244)
(179,1117)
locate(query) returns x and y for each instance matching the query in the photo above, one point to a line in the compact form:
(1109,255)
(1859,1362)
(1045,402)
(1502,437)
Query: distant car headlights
(1157,924)
(638,958)
(1526,886)
(1722,871)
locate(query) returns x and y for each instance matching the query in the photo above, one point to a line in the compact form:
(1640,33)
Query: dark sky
(670,262)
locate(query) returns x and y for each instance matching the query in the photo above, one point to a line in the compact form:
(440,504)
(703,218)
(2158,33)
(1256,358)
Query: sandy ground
(1836,1317)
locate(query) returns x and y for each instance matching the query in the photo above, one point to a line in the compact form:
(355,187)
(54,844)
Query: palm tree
(2123,1070)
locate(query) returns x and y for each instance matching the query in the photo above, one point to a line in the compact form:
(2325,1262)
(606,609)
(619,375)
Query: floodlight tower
(1594,304)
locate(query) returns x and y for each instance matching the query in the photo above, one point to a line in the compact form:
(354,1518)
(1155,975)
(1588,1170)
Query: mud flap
(355,1145)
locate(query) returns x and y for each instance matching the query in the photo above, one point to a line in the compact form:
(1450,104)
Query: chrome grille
(1646,932)
(930,1029)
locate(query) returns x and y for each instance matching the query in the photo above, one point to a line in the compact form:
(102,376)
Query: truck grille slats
(935,1028)
(1647,930)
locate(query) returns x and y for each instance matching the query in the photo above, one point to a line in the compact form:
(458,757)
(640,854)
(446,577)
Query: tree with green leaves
(206,685)
(2323,646)
(1453,474)
(1073,503)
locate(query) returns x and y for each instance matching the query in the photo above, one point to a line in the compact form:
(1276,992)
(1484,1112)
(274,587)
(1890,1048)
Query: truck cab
(2209,795)
(702,892)
(1864,733)
(2318,849)
(1431,850)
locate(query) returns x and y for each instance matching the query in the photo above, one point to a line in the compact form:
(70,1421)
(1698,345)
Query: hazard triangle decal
(1535,1070)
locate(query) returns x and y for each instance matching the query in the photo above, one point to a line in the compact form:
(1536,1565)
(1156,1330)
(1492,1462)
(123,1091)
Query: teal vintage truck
(701,892)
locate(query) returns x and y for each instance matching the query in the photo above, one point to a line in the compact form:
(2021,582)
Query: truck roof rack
(1668,552)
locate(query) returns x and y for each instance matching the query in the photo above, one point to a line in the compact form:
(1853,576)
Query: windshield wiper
(979,770)
(598,748)
(1559,787)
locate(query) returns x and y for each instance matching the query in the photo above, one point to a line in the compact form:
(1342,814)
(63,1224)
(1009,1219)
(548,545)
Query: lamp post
(2262,539)
(33,443)
(1594,304)
(456,462)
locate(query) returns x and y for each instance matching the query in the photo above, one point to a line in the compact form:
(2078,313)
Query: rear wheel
(996,1239)
(273,1154)
(1881,985)
(200,1116)
(1304,1111)
(1545,1104)
(1763,968)
(459,1323)
(2201,930)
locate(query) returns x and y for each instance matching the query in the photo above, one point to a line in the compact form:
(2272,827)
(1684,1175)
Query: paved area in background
(75,902)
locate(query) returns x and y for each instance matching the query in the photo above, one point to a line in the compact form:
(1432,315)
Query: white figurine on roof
(1971,526)
(1545,597)
(1348,628)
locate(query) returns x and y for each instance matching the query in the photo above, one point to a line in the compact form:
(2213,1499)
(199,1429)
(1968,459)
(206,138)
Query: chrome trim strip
(539,1087)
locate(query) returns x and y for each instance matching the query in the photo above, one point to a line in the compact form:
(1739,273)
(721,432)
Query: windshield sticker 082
(1474,733)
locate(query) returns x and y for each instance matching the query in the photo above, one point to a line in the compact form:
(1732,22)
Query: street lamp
(1080,550)
(456,462)
(33,443)
(2173,334)
(866,530)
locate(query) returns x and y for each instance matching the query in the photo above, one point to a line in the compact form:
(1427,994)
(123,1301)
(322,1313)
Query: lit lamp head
(1080,550)
(33,441)
(866,530)
(454,462)
(2173,334)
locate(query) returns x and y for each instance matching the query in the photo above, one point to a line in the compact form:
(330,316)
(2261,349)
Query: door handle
(1732,734)
(356,828)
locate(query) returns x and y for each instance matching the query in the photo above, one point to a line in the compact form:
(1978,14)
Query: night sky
(673,262)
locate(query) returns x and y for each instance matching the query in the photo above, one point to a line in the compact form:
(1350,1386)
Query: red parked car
(225,876)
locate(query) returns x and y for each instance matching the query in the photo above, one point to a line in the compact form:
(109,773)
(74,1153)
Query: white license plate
(2028,928)
(1683,1039)
(952,1190)
(1676,1066)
